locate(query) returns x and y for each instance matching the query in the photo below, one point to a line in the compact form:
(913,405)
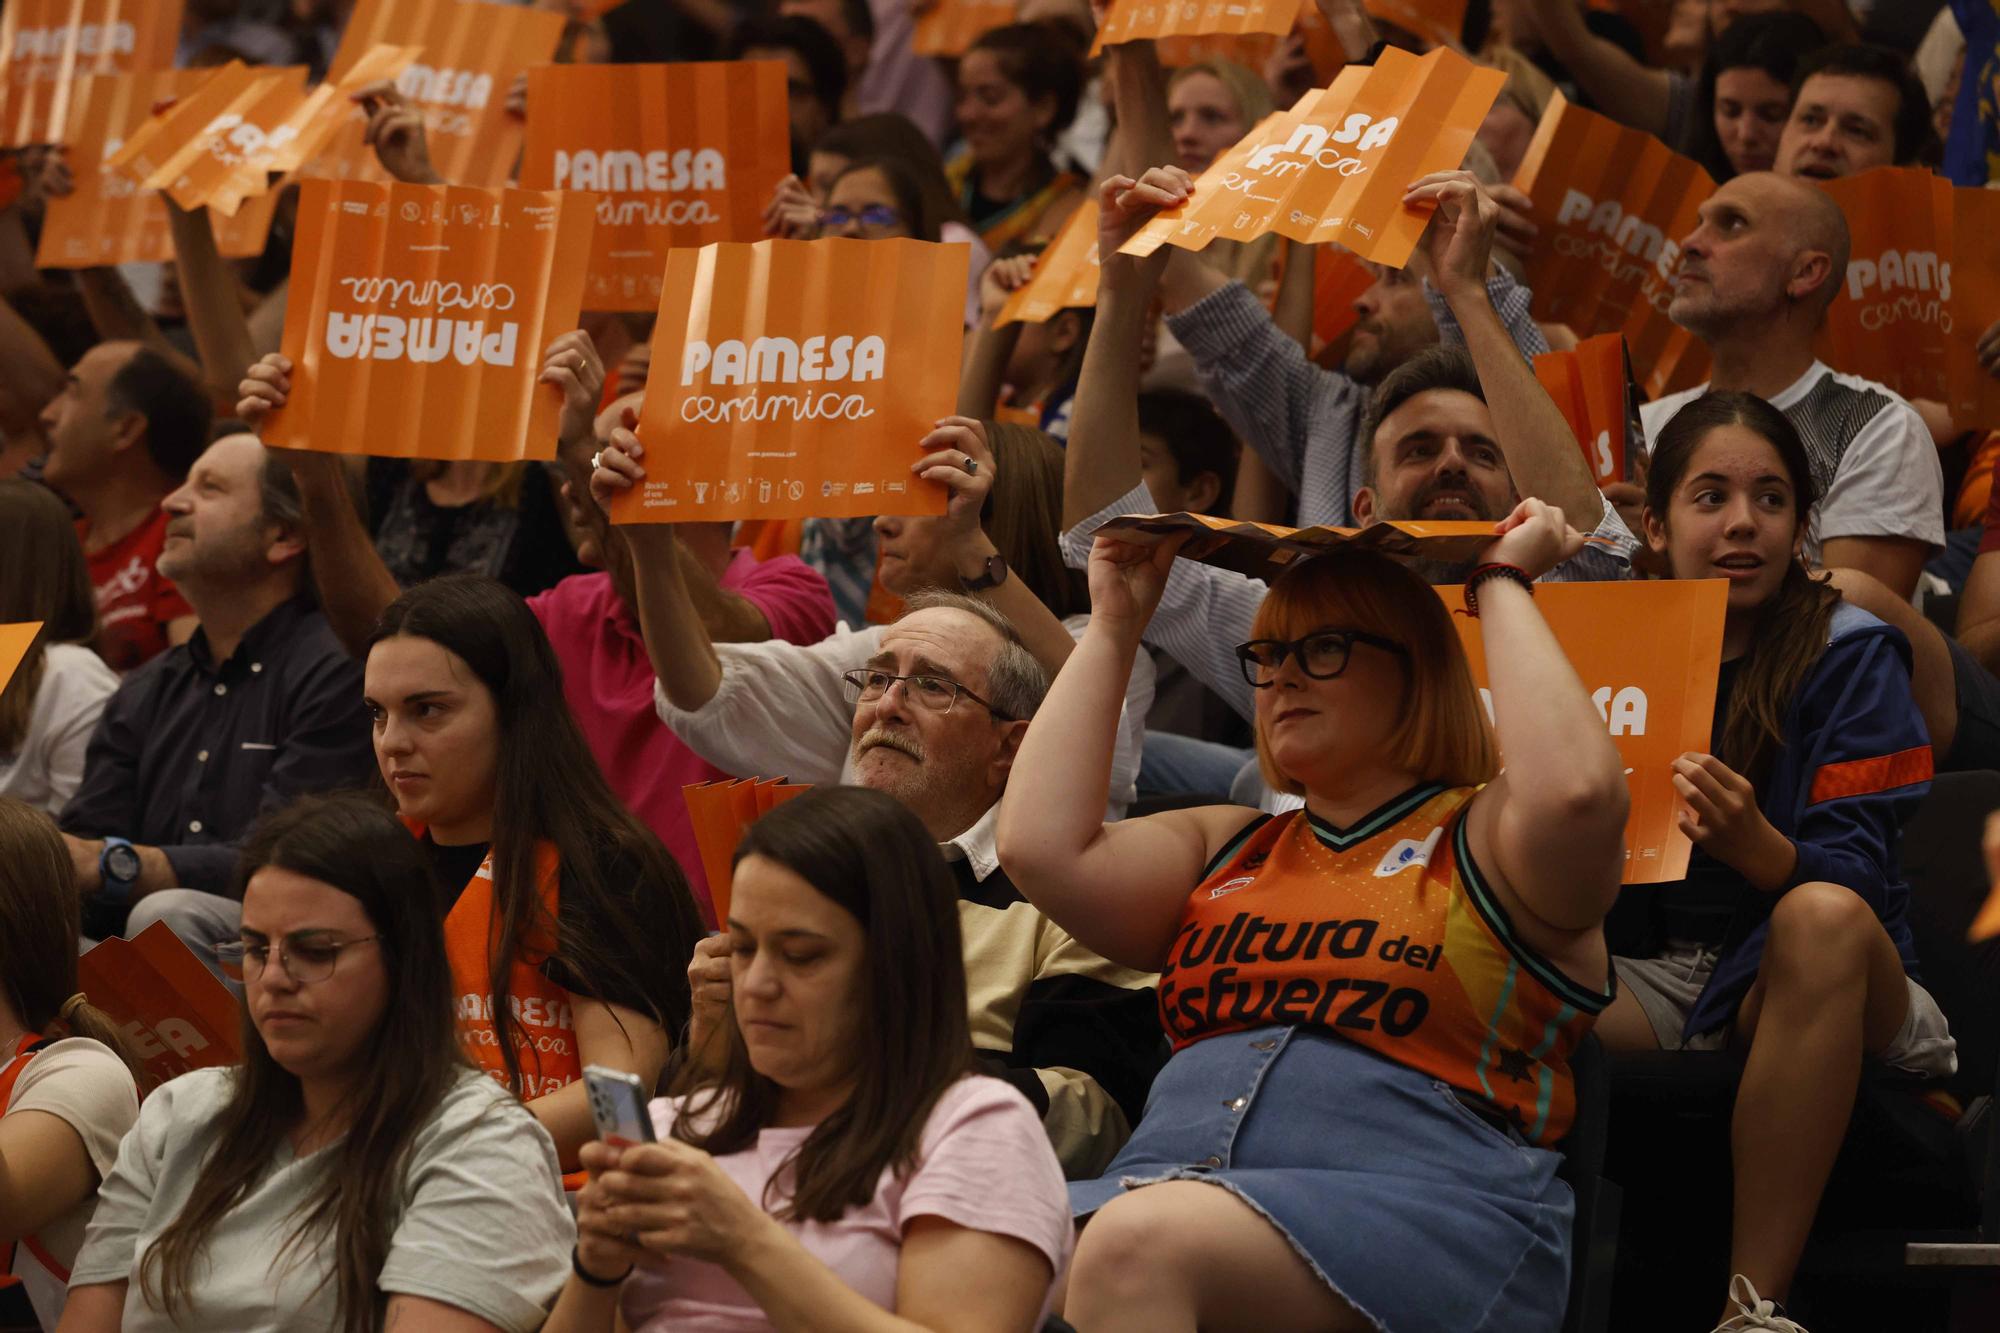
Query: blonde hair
(1528,88)
(1024,513)
(1251,94)
(1442,734)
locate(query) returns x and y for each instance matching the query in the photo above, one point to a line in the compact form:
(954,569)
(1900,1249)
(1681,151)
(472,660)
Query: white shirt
(46,768)
(1873,458)
(782,711)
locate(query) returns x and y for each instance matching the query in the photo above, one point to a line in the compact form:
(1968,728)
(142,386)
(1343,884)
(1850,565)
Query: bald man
(1760,270)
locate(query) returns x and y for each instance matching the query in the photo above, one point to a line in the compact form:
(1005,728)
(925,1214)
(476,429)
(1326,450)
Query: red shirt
(134,603)
(608,683)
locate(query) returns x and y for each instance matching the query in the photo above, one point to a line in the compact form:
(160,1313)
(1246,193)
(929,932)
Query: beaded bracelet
(1513,573)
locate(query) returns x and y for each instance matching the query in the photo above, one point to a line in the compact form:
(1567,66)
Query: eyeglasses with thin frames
(936,693)
(1322,655)
(307,957)
(877,216)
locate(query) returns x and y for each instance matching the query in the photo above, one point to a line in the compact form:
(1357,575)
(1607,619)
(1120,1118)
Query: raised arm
(1542,453)
(1141,134)
(32,378)
(1101,462)
(991,346)
(211,294)
(1118,888)
(1549,831)
(1618,85)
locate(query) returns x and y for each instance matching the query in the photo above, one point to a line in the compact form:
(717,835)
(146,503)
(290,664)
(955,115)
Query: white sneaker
(1754,1313)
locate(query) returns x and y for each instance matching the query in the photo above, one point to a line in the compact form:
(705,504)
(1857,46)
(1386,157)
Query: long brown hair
(548,788)
(39,924)
(1023,514)
(1792,627)
(352,844)
(869,854)
(42,577)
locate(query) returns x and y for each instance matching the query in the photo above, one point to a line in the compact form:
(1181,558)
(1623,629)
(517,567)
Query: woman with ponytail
(1789,939)
(66,1094)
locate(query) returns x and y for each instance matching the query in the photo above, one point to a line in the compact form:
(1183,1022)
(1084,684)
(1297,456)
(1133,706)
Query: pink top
(984,1163)
(608,683)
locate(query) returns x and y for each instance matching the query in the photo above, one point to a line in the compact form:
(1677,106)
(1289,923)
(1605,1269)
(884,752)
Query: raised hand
(1457,246)
(1128,577)
(1534,538)
(396,131)
(572,365)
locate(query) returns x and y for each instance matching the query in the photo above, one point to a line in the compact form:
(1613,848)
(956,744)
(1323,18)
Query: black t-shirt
(653,960)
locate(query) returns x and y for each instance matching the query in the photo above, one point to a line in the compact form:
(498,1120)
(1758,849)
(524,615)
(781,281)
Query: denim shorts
(1417,1210)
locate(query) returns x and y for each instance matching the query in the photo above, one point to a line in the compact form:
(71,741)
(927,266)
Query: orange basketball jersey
(1385,934)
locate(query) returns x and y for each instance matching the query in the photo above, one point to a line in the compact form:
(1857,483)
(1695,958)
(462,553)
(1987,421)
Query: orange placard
(1613,204)
(48,44)
(1065,274)
(1590,384)
(109,219)
(1892,317)
(1648,651)
(1975,303)
(471,54)
(14,643)
(794,379)
(1266,550)
(719,812)
(679,155)
(950,27)
(1130,20)
(174,1015)
(244,126)
(1252,50)
(418,318)
(1439,21)
(1335,166)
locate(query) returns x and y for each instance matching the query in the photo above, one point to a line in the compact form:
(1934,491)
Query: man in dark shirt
(262,705)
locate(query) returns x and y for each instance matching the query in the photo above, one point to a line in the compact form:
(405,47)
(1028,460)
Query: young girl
(847,1170)
(66,1096)
(568,925)
(353,1173)
(1788,937)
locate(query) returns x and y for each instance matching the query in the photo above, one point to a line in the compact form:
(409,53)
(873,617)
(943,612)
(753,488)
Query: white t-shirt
(47,766)
(983,1162)
(86,1086)
(1873,458)
(481,1222)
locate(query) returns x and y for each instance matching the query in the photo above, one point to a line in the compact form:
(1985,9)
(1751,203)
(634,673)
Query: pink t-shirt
(608,683)
(984,1163)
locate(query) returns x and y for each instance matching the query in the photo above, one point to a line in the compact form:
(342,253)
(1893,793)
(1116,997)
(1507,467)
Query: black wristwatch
(118,867)
(991,575)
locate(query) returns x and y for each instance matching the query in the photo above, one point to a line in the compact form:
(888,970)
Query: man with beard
(1454,433)
(1758,273)
(261,706)
(933,708)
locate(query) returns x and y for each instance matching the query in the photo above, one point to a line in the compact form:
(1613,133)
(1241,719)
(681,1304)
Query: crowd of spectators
(1159,947)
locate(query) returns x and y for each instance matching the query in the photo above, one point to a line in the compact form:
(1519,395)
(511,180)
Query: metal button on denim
(1238,1104)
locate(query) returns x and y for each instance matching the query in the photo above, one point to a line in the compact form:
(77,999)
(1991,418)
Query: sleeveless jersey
(1383,934)
(32,1281)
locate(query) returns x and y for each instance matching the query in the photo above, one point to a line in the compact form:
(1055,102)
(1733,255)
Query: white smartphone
(618,1105)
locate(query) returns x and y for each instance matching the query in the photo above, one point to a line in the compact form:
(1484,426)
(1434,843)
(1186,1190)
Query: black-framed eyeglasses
(1323,654)
(307,957)
(870,215)
(936,693)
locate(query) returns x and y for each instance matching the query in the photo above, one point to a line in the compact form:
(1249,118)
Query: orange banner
(1065,274)
(794,379)
(472,53)
(174,1015)
(1252,50)
(1439,21)
(1335,166)
(1648,651)
(244,127)
(418,318)
(1614,204)
(720,812)
(110,220)
(48,44)
(679,156)
(1130,20)
(1590,384)
(14,643)
(950,27)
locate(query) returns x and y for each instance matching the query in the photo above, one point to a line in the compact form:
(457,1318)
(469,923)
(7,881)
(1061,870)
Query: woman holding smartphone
(846,1171)
(354,1172)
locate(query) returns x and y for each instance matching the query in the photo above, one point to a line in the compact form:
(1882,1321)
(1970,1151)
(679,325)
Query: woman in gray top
(354,1172)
